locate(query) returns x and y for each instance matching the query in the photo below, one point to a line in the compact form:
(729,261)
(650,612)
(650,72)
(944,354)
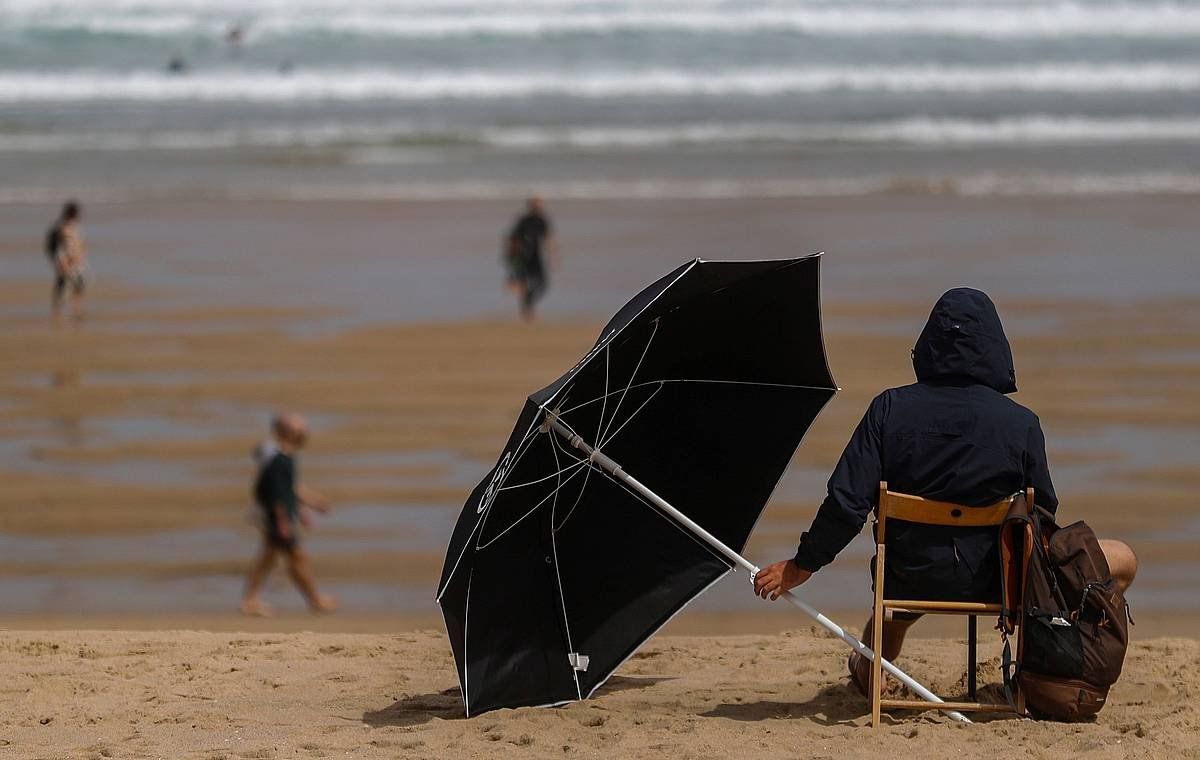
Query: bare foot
(860,672)
(255,608)
(860,676)
(324,604)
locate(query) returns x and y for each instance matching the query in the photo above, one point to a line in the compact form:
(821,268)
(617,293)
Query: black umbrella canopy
(701,387)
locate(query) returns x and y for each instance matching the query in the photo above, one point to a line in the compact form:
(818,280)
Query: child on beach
(282,502)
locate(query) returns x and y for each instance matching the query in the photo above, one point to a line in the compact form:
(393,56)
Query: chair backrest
(902,506)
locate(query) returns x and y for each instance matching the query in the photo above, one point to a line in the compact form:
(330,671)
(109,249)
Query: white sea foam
(383,142)
(391,84)
(396,18)
(989,184)
(923,131)
(977,185)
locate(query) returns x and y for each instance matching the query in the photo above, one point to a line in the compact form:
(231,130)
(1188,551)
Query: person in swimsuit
(68,255)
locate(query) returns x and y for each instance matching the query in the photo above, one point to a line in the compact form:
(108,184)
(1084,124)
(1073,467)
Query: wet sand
(125,441)
(234,696)
(407,417)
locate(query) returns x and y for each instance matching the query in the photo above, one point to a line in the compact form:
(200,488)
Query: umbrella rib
(562,598)
(466,660)
(604,406)
(527,441)
(615,332)
(541,480)
(789,386)
(632,377)
(617,432)
(498,536)
(582,489)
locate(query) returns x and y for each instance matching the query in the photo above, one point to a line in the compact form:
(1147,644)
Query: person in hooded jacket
(955,436)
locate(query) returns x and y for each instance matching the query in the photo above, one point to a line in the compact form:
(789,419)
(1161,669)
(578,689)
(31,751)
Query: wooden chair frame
(899,506)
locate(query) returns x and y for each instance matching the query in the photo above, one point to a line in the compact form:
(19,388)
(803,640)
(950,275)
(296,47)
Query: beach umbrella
(630,484)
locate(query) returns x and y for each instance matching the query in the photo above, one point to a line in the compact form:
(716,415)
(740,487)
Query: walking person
(528,244)
(283,504)
(68,255)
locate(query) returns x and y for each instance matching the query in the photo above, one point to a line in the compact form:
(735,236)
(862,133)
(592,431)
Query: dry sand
(210,696)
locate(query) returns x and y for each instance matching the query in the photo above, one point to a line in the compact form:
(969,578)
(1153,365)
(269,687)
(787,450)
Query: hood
(964,341)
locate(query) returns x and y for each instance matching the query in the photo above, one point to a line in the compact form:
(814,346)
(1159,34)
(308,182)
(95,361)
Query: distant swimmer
(68,255)
(177,65)
(528,244)
(283,503)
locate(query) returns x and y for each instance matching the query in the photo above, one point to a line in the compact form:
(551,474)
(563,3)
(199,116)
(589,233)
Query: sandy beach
(188,694)
(125,457)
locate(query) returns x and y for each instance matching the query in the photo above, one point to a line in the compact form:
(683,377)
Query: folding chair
(899,506)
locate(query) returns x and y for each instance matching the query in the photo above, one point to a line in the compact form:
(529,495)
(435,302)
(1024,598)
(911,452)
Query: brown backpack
(1058,588)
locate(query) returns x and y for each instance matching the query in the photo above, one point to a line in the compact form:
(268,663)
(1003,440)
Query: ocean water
(596,98)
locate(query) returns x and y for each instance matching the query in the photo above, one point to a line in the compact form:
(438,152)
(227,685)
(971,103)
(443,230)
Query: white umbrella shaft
(614,469)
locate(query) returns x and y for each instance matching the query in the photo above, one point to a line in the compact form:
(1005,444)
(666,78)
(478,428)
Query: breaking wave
(480,84)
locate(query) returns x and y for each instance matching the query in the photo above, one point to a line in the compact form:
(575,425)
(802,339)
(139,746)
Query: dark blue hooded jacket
(952,436)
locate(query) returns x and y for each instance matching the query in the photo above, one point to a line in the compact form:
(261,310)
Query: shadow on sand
(447,705)
(838,703)
(833,705)
(418,709)
(624,683)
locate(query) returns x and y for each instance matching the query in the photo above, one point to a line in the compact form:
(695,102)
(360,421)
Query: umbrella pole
(612,468)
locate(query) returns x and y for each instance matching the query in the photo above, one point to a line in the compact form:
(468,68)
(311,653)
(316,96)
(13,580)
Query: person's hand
(283,525)
(773,580)
(305,518)
(314,500)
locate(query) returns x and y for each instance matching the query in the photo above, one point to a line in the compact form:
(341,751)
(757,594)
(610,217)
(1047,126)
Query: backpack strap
(1016,548)
(1043,528)
(1008,667)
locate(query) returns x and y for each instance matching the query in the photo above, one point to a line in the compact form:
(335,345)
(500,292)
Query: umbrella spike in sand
(607,465)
